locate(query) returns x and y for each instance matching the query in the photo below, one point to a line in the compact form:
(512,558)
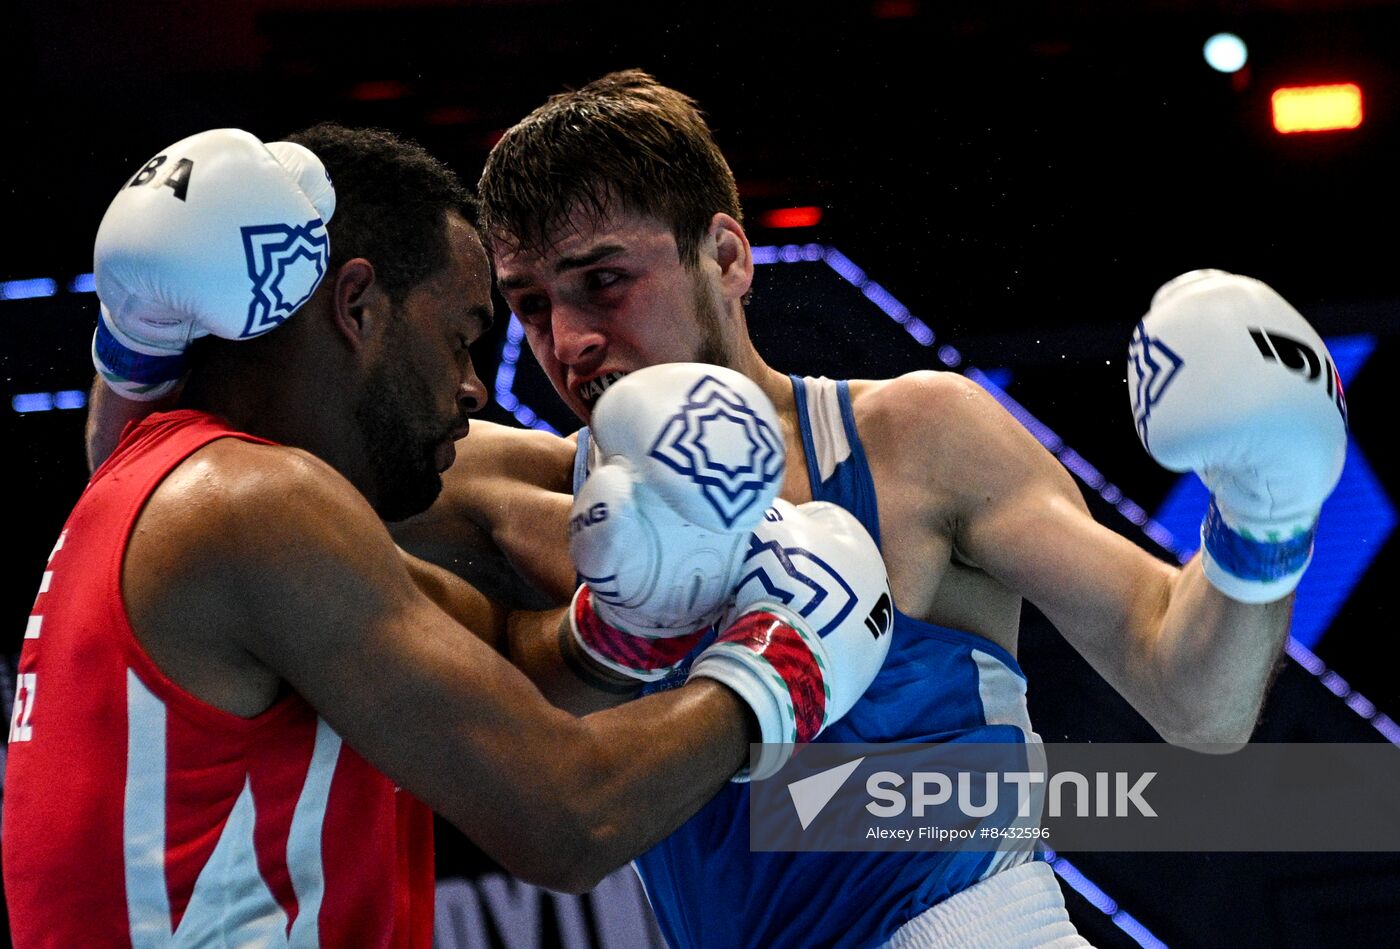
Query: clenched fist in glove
(1229,381)
(218,235)
(691,456)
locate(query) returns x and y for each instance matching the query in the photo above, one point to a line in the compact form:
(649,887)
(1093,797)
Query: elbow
(552,875)
(1208,735)
(1208,724)
(576,881)
(568,837)
(590,846)
(568,854)
(1209,746)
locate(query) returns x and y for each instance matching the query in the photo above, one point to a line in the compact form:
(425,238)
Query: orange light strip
(1317,108)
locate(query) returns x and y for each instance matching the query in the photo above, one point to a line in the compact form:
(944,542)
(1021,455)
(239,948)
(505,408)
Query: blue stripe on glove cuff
(115,359)
(1261,561)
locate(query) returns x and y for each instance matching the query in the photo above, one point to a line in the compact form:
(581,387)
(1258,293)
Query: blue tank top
(709,890)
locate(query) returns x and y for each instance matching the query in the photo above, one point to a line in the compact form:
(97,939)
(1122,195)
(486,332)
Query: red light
(792,217)
(1317,108)
(895,9)
(450,115)
(379,90)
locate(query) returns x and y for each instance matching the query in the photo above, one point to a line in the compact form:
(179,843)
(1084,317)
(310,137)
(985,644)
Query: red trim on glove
(773,638)
(643,653)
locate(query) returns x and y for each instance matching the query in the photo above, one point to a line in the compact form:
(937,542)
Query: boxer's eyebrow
(564,264)
(593,256)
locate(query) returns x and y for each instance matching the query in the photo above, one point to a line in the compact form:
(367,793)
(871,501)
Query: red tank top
(137,815)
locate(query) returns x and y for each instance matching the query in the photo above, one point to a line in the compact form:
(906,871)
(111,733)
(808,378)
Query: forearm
(108,416)
(542,647)
(538,643)
(662,758)
(595,792)
(1213,660)
(1269,442)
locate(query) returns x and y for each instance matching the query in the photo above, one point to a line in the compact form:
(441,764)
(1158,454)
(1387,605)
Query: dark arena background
(979,186)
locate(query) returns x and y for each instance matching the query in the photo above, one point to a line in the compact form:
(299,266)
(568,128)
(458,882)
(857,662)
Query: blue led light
(1388,728)
(1361,705)
(45,287)
(885,300)
(840,263)
(1085,887)
(27,289)
(505,380)
(1137,931)
(1086,472)
(25,402)
(920,331)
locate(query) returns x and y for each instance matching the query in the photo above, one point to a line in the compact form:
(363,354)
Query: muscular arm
(556,799)
(109,414)
(501,523)
(1195,663)
(537,642)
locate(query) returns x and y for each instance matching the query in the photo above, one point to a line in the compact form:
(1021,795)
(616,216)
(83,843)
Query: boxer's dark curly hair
(390,198)
(624,137)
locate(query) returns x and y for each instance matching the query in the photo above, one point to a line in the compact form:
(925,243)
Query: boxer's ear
(358,302)
(734,255)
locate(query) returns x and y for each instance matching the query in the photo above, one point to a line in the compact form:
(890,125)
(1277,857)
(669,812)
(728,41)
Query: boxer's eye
(602,279)
(527,306)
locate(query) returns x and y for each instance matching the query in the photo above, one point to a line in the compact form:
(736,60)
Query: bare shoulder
(940,422)
(234,493)
(923,389)
(237,516)
(236,530)
(944,432)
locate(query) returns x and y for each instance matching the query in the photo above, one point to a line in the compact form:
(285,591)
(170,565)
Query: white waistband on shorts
(1020,908)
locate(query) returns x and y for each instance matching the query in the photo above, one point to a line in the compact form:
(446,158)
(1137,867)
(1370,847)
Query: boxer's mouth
(591,390)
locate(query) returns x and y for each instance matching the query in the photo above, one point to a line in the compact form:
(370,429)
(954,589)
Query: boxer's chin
(408,498)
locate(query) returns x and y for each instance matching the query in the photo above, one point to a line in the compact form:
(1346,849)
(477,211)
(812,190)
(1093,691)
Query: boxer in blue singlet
(938,684)
(616,234)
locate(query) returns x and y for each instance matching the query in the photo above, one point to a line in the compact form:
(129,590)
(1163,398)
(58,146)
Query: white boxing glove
(1228,380)
(219,234)
(809,627)
(690,456)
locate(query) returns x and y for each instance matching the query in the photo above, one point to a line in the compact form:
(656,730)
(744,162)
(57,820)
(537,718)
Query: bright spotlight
(1226,52)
